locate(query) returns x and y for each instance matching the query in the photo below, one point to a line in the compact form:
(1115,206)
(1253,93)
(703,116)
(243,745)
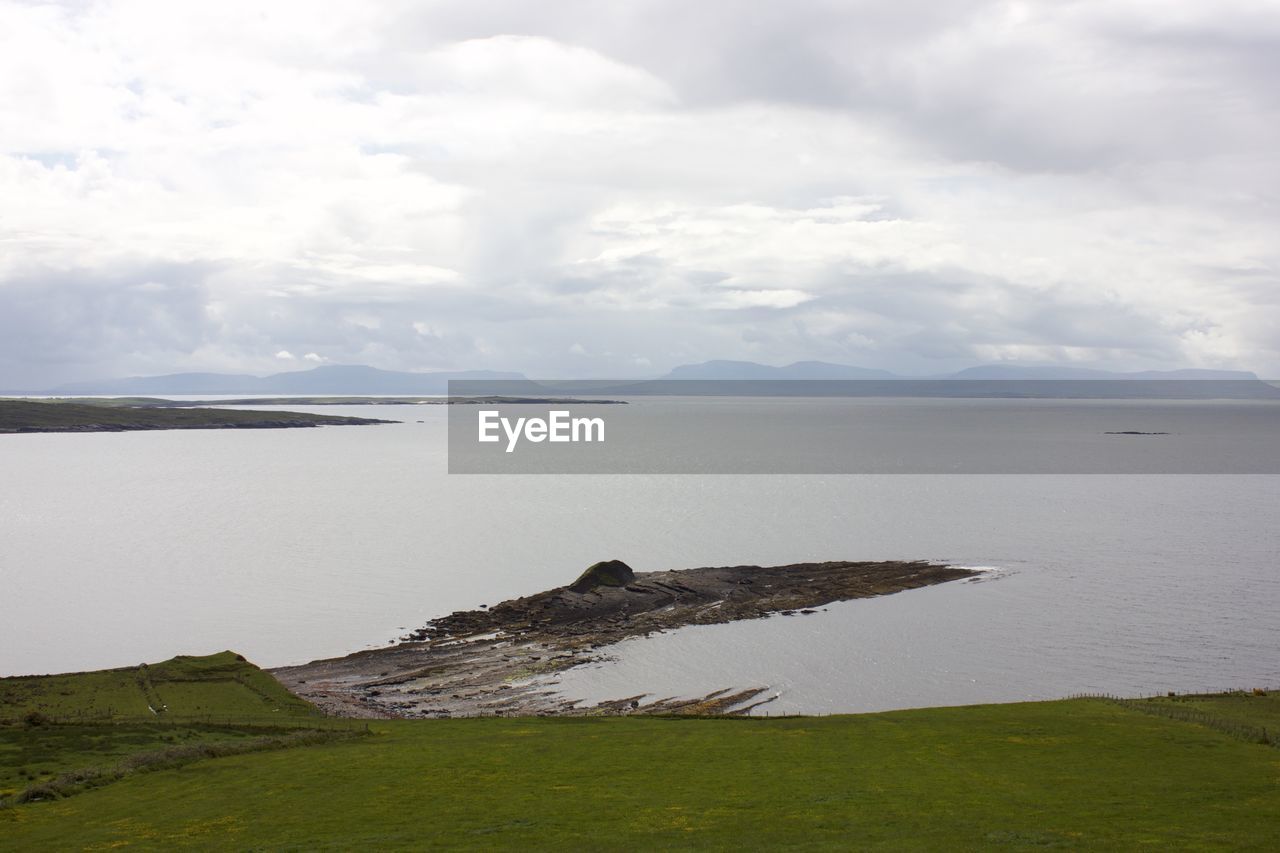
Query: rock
(1135,432)
(606,573)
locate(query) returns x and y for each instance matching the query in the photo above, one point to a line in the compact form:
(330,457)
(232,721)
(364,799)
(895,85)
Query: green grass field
(31,755)
(208,687)
(1085,774)
(1261,712)
(52,725)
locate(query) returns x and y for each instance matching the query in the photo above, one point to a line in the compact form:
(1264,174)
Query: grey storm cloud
(584,189)
(77,318)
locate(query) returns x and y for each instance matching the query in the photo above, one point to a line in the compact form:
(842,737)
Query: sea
(289,545)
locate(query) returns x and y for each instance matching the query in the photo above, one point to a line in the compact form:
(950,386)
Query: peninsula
(498,660)
(491,400)
(60,416)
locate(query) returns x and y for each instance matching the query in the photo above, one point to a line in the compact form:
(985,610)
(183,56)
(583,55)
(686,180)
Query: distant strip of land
(18,416)
(498,659)
(492,400)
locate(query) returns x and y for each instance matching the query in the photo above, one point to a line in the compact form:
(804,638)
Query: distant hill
(361,380)
(329,379)
(715,370)
(1013,371)
(752,370)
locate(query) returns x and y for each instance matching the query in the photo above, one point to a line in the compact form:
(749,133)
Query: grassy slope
(1260,711)
(34,755)
(1074,773)
(25,415)
(112,718)
(184,687)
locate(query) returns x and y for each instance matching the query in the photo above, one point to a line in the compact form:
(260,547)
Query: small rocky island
(499,660)
(63,416)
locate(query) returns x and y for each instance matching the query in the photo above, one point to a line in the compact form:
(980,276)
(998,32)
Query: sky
(573,188)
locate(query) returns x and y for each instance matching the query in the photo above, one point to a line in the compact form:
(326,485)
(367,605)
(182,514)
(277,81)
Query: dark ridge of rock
(659,601)
(1134,432)
(27,416)
(501,660)
(605,573)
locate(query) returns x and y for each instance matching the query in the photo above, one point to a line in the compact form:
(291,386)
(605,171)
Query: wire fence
(1206,693)
(1167,706)
(167,720)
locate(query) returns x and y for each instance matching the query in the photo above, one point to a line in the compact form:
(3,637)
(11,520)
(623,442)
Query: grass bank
(1079,773)
(62,734)
(186,687)
(136,763)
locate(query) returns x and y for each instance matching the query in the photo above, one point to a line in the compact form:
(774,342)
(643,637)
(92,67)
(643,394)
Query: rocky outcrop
(500,659)
(606,573)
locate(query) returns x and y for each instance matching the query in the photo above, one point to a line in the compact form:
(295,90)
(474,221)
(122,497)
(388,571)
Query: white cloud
(761,298)
(443,185)
(285,355)
(527,71)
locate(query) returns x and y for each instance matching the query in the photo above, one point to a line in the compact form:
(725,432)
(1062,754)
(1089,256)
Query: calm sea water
(289,545)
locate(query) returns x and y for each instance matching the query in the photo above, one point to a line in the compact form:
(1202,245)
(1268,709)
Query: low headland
(335,400)
(25,416)
(498,660)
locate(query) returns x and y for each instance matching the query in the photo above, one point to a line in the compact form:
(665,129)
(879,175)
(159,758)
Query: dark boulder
(606,573)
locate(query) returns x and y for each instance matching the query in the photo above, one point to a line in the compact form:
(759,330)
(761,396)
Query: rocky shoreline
(501,659)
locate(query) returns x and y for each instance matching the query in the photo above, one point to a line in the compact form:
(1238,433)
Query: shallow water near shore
(288,545)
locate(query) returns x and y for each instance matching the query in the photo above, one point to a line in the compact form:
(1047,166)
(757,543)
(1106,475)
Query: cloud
(529,71)
(474,184)
(61,322)
(762,298)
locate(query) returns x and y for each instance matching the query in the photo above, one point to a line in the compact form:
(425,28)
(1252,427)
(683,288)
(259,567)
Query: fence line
(1169,710)
(318,723)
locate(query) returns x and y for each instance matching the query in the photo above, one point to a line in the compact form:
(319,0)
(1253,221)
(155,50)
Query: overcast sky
(613,188)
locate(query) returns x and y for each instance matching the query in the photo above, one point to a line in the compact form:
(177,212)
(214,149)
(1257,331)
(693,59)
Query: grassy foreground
(212,753)
(1079,773)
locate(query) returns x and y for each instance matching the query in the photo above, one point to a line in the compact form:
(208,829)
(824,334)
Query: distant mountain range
(716,370)
(1008,371)
(329,379)
(752,370)
(358,379)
